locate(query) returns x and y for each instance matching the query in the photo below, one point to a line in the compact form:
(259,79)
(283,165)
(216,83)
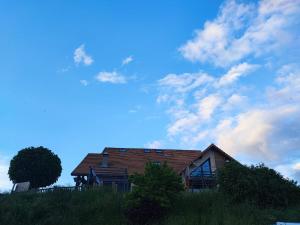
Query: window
(147,150)
(159,151)
(203,170)
(156,162)
(122,150)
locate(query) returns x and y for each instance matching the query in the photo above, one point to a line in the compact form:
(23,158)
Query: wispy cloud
(111,77)
(80,56)
(265,130)
(84,82)
(184,82)
(64,70)
(208,105)
(235,101)
(127,60)
(135,109)
(205,95)
(235,72)
(154,144)
(257,122)
(241,30)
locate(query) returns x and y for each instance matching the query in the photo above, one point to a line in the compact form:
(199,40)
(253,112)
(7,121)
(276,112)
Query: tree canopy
(153,193)
(38,165)
(259,185)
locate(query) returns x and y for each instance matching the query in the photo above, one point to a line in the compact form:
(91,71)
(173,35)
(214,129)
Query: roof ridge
(172,149)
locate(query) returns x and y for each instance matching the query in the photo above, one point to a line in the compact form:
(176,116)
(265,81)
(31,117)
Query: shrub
(40,166)
(259,185)
(153,194)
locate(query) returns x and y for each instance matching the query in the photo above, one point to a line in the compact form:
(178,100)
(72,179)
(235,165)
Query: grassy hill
(95,207)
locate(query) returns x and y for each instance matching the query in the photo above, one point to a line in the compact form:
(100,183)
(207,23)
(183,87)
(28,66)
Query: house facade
(201,172)
(113,166)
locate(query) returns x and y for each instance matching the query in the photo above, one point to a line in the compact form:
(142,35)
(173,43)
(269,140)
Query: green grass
(62,208)
(212,208)
(104,207)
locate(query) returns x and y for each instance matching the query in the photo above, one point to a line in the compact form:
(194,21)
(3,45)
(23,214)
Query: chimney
(105,157)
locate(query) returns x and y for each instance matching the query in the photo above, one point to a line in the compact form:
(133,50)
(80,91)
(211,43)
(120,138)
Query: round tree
(40,166)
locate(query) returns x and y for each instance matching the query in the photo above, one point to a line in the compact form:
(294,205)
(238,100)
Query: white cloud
(253,123)
(189,122)
(264,130)
(154,144)
(162,98)
(254,132)
(209,95)
(234,101)
(234,73)
(208,105)
(241,30)
(127,60)
(111,77)
(270,130)
(5,183)
(200,136)
(191,115)
(185,82)
(84,82)
(288,82)
(290,170)
(296,166)
(80,56)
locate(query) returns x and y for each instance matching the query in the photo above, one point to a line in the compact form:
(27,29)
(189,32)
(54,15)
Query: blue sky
(79,76)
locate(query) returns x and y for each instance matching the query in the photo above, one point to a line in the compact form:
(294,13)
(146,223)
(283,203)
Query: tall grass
(212,208)
(92,207)
(105,207)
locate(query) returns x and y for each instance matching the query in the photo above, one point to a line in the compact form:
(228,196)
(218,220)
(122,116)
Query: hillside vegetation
(105,207)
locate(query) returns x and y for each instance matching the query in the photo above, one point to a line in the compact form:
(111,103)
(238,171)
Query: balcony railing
(203,180)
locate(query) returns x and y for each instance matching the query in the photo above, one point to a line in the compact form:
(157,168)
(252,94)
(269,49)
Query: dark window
(122,150)
(203,170)
(159,151)
(147,150)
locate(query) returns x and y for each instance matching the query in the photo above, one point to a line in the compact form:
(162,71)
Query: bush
(259,185)
(153,194)
(40,166)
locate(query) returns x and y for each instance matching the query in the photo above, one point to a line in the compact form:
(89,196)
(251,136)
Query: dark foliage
(259,185)
(153,194)
(62,207)
(38,165)
(105,207)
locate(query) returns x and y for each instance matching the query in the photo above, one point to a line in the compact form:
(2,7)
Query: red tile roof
(133,160)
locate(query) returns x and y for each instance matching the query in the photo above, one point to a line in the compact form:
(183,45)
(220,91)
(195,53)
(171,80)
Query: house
(114,165)
(201,172)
